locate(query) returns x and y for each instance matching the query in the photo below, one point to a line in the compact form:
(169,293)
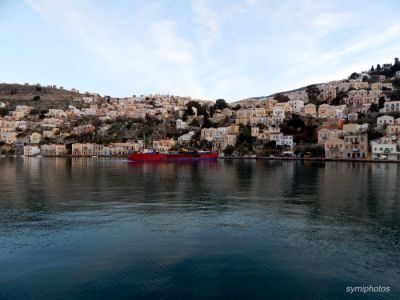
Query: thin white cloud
(208,23)
(228,49)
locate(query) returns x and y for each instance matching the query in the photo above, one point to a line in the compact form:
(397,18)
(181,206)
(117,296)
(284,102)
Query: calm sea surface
(107,229)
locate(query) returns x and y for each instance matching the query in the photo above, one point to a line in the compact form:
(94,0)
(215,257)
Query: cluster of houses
(350,141)
(340,135)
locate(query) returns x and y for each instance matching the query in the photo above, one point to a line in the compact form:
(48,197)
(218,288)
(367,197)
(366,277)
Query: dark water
(98,229)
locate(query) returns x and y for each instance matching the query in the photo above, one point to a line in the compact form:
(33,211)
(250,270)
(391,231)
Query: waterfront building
(79,149)
(285,140)
(327,133)
(385,151)
(334,148)
(53,150)
(355,147)
(30,150)
(221,142)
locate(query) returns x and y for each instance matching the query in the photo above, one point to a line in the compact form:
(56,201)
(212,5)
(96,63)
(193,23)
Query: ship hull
(172,157)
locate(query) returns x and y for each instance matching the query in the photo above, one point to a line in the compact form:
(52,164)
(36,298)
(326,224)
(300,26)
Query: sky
(230,49)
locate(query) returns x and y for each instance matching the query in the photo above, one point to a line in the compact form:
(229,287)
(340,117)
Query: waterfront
(232,229)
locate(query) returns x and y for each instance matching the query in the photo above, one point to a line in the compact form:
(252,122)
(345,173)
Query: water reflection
(213,229)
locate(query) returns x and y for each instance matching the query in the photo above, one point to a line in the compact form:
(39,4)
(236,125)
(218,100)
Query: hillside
(370,76)
(37,96)
(295,120)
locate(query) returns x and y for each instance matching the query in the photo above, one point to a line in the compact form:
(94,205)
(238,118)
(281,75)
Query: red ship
(172,156)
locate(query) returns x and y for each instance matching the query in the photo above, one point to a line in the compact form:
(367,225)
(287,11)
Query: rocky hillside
(36,95)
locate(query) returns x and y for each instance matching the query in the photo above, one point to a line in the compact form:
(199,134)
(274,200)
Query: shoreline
(313,159)
(225,158)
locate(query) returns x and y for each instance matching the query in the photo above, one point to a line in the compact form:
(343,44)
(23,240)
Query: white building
(285,140)
(56,113)
(186,137)
(53,150)
(31,150)
(392,106)
(384,120)
(384,151)
(180,124)
(74,110)
(210,134)
(89,111)
(297,106)
(23,125)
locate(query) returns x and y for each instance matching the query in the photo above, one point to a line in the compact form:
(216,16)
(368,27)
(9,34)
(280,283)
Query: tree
(313,93)
(373,134)
(206,123)
(378,68)
(354,76)
(381,102)
(396,83)
(212,110)
(281,98)
(201,110)
(372,69)
(147,130)
(374,107)
(229,150)
(245,140)
(220,104)
(195,123)
(204,145)
(316,151)
(270,145)
(4,111)
(394,95)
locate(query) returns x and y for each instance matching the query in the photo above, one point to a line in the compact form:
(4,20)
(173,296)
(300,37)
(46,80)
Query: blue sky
(231,49)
